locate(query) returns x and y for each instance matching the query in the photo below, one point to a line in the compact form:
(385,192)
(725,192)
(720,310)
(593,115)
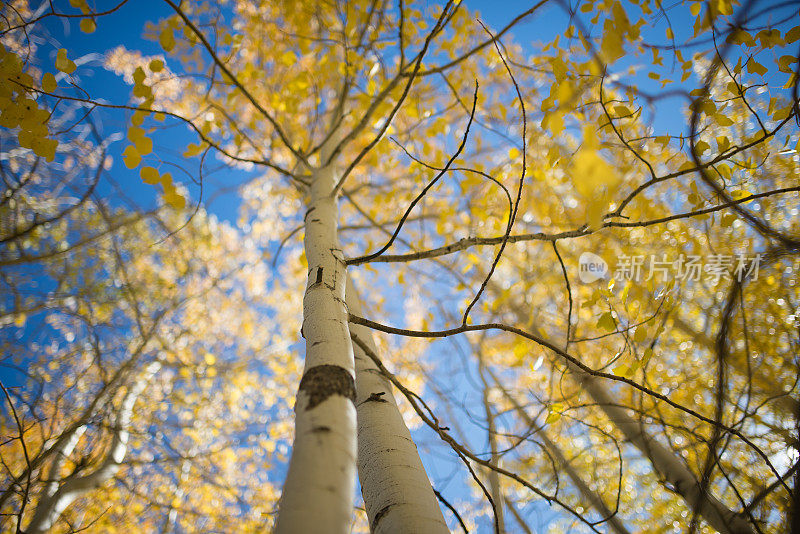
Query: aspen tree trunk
(612,520)
(320,484)
(520,520)
(763,382)
(172,516)
(58,496)
(669,465)
(494,478)
(397,492)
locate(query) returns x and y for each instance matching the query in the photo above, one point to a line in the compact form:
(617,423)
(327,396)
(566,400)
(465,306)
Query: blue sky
(126,28)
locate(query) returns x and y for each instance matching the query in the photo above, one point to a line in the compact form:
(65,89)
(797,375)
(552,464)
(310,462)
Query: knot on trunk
(322,381)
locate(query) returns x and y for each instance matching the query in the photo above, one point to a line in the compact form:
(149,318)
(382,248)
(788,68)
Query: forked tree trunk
(320,485)
(397,492)
(59,494)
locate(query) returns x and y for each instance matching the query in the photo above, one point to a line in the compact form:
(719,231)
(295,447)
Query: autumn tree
(408,173)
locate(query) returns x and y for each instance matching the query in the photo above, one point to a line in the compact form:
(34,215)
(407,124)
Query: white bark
(319,490)
(397,492)
(60,494)
(61,454)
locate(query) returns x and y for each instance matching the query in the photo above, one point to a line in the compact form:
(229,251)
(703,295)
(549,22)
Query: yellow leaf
(670,34)
(144,145)
(49,82)
(740,36)
(513,153)
(139,76)
(45,148)
(156,65)
(63,63)
(785,63)
(754,66)
(623,371)
(167,39)
(138,117)
(723,120)
(553,121)
(192,150)
(606,322)
(701,146)
(622,111)
(131,157)
(611,47)
(88,26)
(175,200)
(590,172)
(640,335)
(792,35)
(149,175)
(595,211)
(554,414)
(782,113)
(770,38)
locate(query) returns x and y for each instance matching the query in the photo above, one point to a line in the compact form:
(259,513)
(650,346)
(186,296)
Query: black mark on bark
(374,397)
(322,381)
(382,512)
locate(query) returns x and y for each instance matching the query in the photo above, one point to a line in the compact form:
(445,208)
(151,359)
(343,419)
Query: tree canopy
(246,246)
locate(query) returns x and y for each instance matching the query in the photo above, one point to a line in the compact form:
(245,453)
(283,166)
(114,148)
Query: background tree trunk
(397,492)
(59,495)
(592,497)
(669,466)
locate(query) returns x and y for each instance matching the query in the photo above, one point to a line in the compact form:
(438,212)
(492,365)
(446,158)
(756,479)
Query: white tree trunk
(397,492)
(319,490)
(57,497)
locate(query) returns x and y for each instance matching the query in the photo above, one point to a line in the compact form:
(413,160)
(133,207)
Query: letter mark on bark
(322,381)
